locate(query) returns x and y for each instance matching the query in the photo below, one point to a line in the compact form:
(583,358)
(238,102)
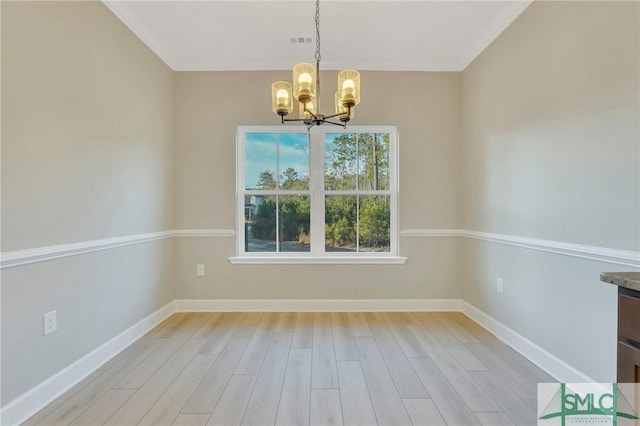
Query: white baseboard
(554,366)
(38,397)
(32,401)
(316,305)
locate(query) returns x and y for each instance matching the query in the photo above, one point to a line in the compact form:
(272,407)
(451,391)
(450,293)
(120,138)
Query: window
(327,195)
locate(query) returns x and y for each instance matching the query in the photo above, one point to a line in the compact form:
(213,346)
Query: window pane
(260,161)
(340,224)
(340,162)
(375,219)
(294,160)
(260,223)
(294,220)
(373,161)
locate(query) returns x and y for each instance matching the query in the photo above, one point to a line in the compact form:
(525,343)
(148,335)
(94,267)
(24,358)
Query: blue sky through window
(262,152)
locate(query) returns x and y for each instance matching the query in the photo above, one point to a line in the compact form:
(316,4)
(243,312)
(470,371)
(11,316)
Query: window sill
(318,260)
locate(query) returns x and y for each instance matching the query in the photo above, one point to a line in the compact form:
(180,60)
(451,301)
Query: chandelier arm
(315,122)
(294,119)
(340,114)
(343,125)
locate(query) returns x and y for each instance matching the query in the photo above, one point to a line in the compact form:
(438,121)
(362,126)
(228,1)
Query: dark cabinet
(628,364)
(628,336)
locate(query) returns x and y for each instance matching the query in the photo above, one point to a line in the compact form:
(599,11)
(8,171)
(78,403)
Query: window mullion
(277,197)
(394,174)
(357,192)
(240,193)
(316,149)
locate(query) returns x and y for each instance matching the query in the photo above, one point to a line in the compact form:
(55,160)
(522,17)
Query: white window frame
(317,194)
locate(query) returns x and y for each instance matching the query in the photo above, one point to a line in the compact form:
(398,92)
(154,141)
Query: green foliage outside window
(294,211)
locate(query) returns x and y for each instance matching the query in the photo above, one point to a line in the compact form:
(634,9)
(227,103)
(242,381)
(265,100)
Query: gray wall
(87,130)
(551,151)
(426,107)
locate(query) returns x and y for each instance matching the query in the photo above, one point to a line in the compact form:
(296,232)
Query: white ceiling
(216,35)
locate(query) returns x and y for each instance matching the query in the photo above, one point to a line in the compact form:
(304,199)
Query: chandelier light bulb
(348,85)
(283,98)
(305,83)
(305,78)
(281,101)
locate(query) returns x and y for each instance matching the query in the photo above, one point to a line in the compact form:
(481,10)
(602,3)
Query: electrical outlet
(50,322)
(500,285)
(200,269)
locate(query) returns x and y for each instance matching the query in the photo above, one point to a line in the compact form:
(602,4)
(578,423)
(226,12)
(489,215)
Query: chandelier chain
(317,30)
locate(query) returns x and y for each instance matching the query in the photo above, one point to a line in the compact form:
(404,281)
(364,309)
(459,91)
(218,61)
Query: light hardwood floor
(307,369)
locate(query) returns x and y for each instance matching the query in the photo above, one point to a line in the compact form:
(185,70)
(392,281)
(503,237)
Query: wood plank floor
(307,369)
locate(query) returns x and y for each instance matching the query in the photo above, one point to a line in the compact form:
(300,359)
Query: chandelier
(306,91)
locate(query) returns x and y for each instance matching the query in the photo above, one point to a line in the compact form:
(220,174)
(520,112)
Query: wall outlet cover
(50,322)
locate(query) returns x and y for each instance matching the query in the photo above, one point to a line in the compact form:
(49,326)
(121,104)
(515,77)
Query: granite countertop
(630,280)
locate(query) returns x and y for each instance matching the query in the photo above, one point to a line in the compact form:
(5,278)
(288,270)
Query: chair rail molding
(41,254)
(596,253)
(601,254)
